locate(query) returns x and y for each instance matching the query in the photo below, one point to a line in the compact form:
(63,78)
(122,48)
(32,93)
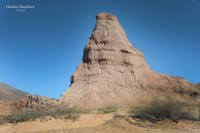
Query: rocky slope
(9,93)
(113,72)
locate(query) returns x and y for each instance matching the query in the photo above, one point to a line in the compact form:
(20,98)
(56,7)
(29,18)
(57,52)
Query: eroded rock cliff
(113,72)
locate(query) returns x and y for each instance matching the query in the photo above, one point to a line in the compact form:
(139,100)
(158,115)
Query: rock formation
(33,102)
(113,72)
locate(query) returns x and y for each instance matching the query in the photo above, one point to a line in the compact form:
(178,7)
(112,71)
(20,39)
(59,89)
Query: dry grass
(108,109)
(31,115)
(161,109)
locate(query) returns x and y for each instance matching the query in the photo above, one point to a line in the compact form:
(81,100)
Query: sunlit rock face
(113,72)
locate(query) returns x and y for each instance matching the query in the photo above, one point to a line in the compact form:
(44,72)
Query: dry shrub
(159,109)
(30,115)
(108,109)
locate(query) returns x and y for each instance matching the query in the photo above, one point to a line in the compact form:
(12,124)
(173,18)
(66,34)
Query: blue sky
(40,48)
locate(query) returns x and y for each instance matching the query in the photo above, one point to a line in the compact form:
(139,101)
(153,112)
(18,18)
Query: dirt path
(100,123)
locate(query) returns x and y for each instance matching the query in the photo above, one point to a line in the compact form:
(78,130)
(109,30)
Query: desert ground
(94,122)
(99,123)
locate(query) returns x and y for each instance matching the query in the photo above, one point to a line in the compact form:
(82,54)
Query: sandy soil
(49,123)
(100,123)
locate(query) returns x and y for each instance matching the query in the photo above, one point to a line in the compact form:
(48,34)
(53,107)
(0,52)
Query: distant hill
(9,93)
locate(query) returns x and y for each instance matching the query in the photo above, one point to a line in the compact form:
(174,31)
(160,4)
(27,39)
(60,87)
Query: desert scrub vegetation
(160,109)
(31,115)
(108,109)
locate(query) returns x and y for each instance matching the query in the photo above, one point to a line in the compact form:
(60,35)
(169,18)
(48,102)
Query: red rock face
(112,72)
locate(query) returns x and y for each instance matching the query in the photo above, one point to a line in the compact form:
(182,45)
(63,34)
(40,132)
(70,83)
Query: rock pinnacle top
(105,15)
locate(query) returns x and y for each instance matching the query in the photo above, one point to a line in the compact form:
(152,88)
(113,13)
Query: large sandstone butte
(113,72)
